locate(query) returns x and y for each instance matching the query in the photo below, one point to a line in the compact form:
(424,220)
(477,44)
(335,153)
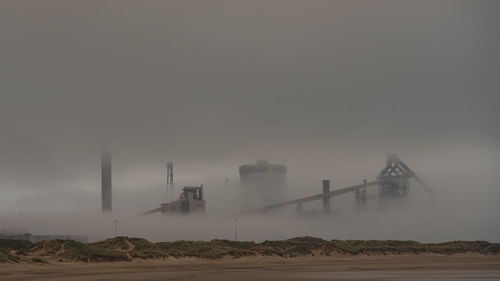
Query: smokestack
(106,180)
(326,200)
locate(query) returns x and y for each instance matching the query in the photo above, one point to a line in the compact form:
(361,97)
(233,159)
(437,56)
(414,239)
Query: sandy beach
(385,267)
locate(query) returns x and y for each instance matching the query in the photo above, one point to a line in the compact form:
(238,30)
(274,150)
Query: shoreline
(176,268)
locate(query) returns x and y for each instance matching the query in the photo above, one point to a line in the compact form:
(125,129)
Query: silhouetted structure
(170,180)
(190,201)
(262,183)
(326,199)
(106,181)
(393,181)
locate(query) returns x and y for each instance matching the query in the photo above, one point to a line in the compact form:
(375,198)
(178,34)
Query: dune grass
(126,249)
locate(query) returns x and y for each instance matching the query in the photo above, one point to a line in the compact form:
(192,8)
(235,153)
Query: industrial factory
(393,183)
(263,187)
(190,201)
(262,183)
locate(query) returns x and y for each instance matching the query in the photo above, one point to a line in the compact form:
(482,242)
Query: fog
(324,87)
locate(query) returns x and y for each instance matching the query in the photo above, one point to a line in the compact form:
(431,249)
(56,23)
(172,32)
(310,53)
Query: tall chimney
(106,180)
(326,200)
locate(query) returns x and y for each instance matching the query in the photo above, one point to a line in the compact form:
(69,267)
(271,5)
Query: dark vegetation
(126,249)
(7,246)
(38,260)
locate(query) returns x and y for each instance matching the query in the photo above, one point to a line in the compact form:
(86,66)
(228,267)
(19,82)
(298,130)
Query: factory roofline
(262,166)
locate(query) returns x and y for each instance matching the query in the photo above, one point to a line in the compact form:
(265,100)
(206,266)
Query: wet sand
(391,267)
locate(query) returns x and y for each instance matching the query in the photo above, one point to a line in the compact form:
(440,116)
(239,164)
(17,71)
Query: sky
(325,87)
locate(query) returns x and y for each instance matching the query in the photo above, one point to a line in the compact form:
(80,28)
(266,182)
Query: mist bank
(428,224)
(464,206)
(324,87)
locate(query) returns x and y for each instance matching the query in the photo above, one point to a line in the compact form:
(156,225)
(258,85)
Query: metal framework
(320,196)
(393,181)
(190,201)
(395,178)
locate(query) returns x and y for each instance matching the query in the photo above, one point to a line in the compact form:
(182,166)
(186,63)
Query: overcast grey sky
(326,87)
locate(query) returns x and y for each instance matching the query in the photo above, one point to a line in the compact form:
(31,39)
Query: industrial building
(190,201)
(262,183)
(263,188)
(393,182)
(394,179)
